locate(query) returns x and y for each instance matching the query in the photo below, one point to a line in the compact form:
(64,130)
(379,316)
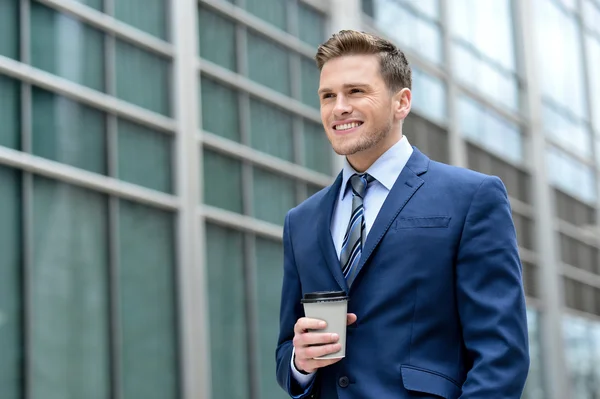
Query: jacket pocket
(425,381)
(422,222)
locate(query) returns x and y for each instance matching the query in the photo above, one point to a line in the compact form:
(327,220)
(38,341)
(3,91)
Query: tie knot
(359,183)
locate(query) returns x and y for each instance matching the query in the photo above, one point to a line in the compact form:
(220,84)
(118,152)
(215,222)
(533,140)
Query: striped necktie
(355,232)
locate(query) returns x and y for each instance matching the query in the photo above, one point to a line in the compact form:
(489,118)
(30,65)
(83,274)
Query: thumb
(351,318)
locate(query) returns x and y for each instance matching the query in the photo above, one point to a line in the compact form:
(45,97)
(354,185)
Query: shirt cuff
(303,380)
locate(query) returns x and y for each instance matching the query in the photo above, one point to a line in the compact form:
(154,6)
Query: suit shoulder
(457,174)
(462,180)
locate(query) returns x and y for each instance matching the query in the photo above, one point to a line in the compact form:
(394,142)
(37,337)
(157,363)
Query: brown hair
(394,66)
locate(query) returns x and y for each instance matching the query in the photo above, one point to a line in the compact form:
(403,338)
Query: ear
(401,103)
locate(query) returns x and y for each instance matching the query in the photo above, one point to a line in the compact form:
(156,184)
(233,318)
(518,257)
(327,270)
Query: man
(426,252)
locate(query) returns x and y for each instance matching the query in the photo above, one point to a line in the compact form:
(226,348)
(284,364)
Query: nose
(342,106)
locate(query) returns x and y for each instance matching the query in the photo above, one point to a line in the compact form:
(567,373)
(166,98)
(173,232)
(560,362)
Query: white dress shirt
(385,170)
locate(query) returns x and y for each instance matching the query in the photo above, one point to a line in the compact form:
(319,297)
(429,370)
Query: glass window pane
(11,308)
(68,132)
(312,189)
(271,11)
(142,78)
(152,20)
(593,55)
(147,302)
(431,8)
(145,156)
(559,51)
(220,109)
(217,38)
(488,27)
(222,181)
(311,24)
(274,195)
(408,29)
(276,73)
(66,47)
(309,79)
(69,320)
(9,21)
(317,149)
(269,261)
(10,115)
(429,96)
(227,299)
(271,130)
(566,131)
(534,388)
(95,4)
(578,350)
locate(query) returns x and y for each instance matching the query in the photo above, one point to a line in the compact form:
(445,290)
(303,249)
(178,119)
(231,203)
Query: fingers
(351,318)
(305,324)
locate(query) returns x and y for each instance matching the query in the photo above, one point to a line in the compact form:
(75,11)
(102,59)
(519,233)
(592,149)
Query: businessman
(427,253)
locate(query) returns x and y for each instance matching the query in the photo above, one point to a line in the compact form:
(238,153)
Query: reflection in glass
(559,52)
(69,277)
(408,29)
(66,47)
(68,132)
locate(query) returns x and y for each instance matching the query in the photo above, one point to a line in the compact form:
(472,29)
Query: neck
(362,160)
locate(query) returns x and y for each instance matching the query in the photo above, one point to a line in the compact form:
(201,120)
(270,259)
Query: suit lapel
(404,188)
(324,232)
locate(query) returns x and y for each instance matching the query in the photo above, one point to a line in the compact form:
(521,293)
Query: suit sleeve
(289,312)
(491,300)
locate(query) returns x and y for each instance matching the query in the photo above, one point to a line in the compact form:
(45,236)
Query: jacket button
(344,381)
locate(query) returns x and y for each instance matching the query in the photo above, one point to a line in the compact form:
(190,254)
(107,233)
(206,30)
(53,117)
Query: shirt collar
(385,169)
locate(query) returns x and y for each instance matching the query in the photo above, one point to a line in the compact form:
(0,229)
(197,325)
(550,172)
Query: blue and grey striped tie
(355,233)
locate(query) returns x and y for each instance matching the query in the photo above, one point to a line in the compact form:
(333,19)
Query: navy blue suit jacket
(438,293)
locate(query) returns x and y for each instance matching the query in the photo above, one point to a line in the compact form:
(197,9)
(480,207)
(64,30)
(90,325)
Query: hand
(304,342)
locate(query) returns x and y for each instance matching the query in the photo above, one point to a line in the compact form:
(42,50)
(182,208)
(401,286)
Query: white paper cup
(331,307)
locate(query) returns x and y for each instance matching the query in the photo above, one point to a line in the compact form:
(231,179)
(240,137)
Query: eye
(352,91)
(327,95)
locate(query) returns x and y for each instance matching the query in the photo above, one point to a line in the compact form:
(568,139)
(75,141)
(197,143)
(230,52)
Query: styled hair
(394,66)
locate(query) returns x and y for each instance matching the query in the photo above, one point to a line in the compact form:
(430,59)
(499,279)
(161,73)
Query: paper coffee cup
(331,307)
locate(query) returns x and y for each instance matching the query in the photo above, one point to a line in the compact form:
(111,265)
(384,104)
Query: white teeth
(347,126)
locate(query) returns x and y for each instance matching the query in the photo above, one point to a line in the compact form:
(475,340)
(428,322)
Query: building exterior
(149,150)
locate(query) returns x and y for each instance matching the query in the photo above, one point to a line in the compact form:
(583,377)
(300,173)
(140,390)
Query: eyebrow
(345,86)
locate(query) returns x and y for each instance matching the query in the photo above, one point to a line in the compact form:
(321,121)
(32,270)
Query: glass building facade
(149,150)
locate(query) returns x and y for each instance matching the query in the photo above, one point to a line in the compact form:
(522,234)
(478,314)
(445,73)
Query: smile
(347,126)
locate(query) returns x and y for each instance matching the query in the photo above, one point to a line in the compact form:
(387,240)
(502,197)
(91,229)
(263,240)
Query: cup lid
(324,296)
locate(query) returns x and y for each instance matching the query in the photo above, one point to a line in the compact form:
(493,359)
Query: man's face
(356,105)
